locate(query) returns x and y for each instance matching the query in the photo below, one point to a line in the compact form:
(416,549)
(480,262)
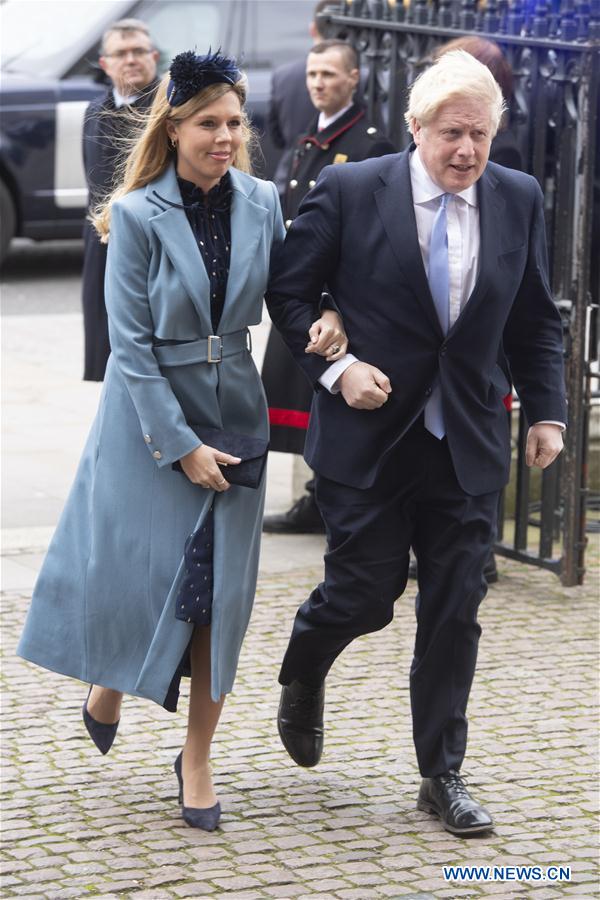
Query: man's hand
(544,443)
(364,387)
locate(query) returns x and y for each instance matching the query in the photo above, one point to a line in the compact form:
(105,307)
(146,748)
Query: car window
(37,37)
(183,25)
(275,32)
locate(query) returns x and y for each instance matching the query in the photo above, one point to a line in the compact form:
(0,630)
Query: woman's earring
(173,143)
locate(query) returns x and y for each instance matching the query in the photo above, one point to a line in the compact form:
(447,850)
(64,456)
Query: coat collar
(171,226)
(324,138)
(402,233)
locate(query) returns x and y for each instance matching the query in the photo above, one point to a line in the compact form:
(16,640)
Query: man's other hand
(364,386)
(544,443)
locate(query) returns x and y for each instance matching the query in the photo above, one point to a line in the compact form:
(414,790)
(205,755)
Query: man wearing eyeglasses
(128,58)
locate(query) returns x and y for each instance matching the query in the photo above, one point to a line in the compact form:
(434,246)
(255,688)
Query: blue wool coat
(103,606)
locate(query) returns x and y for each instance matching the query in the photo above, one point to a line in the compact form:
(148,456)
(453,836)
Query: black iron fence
(553,49)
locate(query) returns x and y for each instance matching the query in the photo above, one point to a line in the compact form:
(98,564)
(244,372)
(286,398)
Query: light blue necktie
(439,285)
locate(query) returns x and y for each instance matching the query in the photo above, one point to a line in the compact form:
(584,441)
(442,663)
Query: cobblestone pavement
(76,824)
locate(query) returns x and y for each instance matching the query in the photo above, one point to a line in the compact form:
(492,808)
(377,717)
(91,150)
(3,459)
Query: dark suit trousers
(416,501)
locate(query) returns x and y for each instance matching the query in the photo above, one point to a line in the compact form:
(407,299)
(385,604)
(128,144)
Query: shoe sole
(424,806)
(290,754)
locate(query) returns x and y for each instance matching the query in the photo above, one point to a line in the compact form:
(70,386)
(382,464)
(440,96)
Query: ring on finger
(335,348)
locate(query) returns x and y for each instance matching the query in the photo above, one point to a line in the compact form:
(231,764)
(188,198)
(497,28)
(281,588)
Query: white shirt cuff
(334,372)
(551,422)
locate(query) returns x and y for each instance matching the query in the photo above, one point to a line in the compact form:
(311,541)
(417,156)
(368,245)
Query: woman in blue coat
(151,573)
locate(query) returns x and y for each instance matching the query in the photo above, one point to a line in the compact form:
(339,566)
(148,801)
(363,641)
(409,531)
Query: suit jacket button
(429,392)
(157,454)
(148,438)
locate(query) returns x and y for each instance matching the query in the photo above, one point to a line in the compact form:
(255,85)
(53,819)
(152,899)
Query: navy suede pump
(102,735)
(206,819)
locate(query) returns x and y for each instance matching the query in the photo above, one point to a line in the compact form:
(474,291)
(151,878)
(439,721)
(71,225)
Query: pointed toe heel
(206,819)
(102,735)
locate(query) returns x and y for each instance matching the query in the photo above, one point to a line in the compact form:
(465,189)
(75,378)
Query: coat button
(293,183)
(307,145)
(157,454)
(371,130)
(148,438)
(311,183)
(429,392)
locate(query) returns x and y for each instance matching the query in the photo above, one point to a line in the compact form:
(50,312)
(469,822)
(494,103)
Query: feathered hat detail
(191,73)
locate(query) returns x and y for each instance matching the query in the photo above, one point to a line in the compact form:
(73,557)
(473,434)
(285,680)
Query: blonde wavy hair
(150,151)
(454,75)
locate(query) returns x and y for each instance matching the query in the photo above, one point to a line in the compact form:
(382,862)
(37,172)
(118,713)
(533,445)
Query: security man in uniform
(340,133)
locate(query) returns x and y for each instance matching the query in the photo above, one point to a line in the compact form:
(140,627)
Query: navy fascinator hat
(191,73)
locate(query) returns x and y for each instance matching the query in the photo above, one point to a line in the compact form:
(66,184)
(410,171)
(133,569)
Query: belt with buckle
(211,349)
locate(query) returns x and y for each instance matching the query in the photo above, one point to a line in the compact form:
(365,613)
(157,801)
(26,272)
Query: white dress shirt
(121,100)
(326,121)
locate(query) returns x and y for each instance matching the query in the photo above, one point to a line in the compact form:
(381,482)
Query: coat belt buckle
(215,348)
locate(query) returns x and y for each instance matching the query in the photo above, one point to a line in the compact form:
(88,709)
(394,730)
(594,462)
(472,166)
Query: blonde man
(436,259)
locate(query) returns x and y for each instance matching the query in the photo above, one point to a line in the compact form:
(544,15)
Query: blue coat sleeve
(131,336)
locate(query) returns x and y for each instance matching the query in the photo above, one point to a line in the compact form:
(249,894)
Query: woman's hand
(202,467)
(327,336)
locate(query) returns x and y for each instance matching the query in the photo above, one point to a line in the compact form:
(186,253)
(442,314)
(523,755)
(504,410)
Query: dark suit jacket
(357,232)
(105,129)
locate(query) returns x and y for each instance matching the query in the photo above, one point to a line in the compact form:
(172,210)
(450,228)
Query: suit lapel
(247,221)
(172,228)
(396,210)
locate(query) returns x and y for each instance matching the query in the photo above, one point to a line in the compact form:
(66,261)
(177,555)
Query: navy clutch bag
(252,450)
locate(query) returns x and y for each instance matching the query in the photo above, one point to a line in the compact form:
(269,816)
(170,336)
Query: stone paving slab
(76,824)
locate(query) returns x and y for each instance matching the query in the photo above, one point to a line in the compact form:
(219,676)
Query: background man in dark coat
(290,106)
(340,133)
(129,60)
(437,261)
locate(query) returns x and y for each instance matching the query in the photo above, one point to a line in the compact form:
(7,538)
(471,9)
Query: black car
(50,73)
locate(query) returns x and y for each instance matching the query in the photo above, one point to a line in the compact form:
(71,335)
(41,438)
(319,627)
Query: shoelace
(306,701)
(456,782)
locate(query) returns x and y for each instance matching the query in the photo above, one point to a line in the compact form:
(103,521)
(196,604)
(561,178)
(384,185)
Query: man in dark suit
(340,132)
(129,60)
(437,262)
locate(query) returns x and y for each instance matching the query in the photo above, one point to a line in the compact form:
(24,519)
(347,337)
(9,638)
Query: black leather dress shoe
(300,722)
(303,518)
(447,797)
